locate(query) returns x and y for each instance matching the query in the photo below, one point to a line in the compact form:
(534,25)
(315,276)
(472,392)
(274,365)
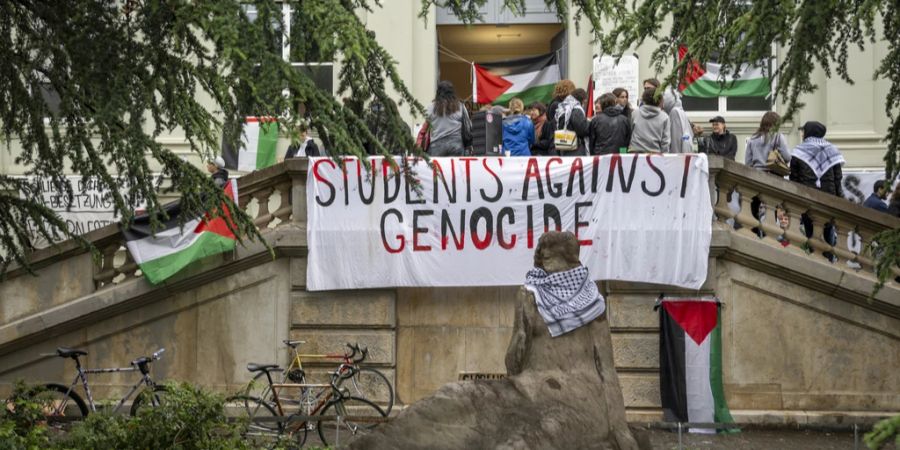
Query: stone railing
(275,197)
(840,229)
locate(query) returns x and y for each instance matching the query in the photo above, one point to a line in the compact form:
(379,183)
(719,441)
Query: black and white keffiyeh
(566,300)
(819,154)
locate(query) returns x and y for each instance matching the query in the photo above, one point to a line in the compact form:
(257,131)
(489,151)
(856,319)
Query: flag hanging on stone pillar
(690,362)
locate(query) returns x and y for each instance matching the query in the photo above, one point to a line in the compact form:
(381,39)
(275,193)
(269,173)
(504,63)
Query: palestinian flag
(531,79)
(705,80)
(257,149)
(690,362)
(171,249)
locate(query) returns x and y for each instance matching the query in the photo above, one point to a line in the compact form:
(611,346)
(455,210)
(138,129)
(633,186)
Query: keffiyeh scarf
(819,154)
(566,300)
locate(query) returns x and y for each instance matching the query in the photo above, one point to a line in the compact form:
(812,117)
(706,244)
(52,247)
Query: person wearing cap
(877,200)
(720,142)
(216,167)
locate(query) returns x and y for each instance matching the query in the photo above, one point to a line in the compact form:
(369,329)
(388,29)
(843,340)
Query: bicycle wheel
(58,403)
(371,384)
(260,426)
(357,417)
(149,399)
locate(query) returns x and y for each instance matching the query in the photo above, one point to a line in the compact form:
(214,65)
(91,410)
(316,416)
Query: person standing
(763,141)
(216,168)
(304,147)
(518,131)
(721,142)
(543,130)
(622,101)
(651,131)
(570,115)
(877,199)
(447,120)
(563,89)
(680,130)
(610,129)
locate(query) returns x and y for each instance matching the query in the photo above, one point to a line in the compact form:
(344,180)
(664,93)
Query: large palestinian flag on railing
(257,149)
(705,80)
(170,249)
(531,79)
(690,362)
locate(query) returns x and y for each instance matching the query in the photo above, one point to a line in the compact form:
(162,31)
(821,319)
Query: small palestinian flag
(531,79)
(171,249)
(704,80)
(690,362)
(258,144)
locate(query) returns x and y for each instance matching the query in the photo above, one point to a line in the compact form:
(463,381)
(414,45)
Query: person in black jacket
(305,145)
(570,115)
(610,129)
(216,168)
(543,131)
(721,142)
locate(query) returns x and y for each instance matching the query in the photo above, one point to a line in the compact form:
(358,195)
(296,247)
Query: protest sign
(90,208)
(475,221)
(609,75)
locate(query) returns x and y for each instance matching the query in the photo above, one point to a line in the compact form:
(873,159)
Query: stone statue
(560,392)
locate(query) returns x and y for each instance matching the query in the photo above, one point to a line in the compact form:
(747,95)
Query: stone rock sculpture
(560,392)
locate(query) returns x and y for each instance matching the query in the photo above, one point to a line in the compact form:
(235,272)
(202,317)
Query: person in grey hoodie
(651,131)
(679,126)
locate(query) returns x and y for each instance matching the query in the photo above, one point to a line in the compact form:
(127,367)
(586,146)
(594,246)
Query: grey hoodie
(651,130)
(680,130)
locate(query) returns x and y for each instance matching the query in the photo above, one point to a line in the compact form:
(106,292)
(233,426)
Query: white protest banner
(91,206)
(859,184)
(644,218)
(626,74)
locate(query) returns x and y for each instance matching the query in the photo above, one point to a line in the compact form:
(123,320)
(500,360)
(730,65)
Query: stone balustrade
(276,197)
(839,230)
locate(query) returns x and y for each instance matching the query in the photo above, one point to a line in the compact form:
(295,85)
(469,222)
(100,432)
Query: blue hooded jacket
(518,135)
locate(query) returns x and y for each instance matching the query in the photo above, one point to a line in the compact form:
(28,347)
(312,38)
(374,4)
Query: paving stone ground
(761,439)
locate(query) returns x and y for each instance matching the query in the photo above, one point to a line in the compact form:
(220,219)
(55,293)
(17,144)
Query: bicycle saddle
(253,367)
(292,344)
(64,352)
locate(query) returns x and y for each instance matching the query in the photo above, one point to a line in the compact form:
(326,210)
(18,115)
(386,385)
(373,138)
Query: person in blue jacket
(518,130)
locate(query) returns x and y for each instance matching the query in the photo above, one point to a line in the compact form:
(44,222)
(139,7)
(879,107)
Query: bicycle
(353,415)
(365,382)
(62,403)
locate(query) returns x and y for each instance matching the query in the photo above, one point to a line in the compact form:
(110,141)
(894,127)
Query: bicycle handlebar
(157,354)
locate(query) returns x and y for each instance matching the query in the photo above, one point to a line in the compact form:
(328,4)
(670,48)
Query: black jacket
(610,130)
(311,150)
(724,145)
(220,177)
(830,182)
(579,124)
(544,145)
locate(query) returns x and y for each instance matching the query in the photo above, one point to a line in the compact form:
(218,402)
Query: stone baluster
(283,213)
(794,231)
(845,237)
(263,216)
(722,210)
(244,201)
(865,258)
(769,222)
(817,240)
(745,215)
(298,198)
(129,267)
(104,274)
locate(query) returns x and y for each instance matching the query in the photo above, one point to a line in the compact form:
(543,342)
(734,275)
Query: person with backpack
(763,141)
(449,128)
(572,126)
(518,131)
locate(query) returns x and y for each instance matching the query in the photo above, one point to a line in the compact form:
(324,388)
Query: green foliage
(882,432)
(20,421)
(129,72)
(190,418)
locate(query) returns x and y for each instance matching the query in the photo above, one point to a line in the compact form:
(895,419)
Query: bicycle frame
(82,374)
